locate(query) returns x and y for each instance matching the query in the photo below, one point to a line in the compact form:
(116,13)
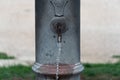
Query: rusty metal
(64,69)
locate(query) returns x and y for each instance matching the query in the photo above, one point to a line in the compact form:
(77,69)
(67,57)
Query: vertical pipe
(48,14)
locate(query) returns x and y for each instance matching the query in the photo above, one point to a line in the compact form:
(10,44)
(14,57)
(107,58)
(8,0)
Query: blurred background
(100,30)
(17,30)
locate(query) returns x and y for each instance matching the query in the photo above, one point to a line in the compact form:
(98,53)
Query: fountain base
(64,69)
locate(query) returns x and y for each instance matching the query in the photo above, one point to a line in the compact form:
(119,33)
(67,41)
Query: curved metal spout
(58,26)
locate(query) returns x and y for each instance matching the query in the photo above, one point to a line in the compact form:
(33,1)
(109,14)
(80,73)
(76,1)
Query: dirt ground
(99,38)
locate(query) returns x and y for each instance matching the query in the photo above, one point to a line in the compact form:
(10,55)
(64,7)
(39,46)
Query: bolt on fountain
(57,40)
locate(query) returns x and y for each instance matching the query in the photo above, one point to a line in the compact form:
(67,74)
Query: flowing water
(58,59)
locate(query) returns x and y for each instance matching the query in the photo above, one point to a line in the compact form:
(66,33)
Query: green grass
(18,72)
(101,71)
(5,56)
(116,56)
(91,72)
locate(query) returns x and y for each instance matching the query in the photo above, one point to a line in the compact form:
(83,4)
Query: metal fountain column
(57,21)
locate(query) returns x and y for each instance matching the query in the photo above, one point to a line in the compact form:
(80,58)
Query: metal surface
(50,13)
(64,69)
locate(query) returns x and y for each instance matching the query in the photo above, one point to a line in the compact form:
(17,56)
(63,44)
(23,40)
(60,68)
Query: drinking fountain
(57,25)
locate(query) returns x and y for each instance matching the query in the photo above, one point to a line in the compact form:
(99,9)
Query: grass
(91,72)
(18,72)
(5,56)
(101,71)
(116,56)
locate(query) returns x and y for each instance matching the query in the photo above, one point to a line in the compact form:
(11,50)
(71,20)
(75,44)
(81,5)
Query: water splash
(58,59)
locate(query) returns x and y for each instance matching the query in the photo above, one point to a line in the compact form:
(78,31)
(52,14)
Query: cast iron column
(57,21)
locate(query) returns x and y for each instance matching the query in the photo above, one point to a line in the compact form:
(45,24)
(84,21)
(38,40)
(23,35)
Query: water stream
(59,44)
